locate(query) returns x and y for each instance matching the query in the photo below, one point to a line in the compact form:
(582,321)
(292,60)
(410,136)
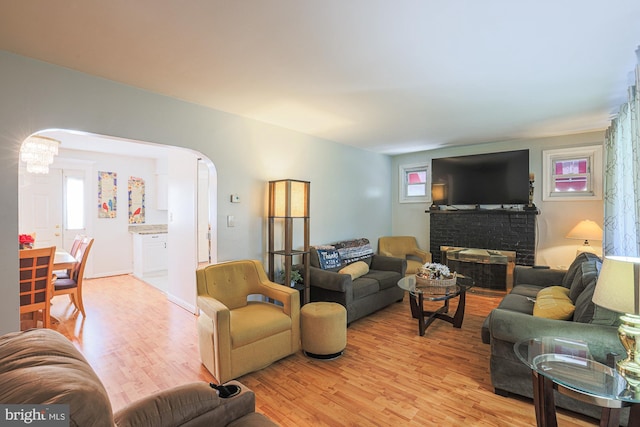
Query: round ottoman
(323,329)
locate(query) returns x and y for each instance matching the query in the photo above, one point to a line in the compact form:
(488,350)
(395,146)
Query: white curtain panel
(622,177)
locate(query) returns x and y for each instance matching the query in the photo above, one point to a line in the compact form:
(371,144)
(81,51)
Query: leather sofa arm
(537,276)
(195,404)
(511,326)
(386,263)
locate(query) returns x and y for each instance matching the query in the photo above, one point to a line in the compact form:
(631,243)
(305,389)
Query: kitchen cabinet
(149,254)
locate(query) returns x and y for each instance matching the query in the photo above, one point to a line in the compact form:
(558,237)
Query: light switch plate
(231,221)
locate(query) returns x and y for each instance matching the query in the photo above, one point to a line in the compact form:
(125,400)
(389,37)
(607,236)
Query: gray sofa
(41,366)
(362,295)
(513,321)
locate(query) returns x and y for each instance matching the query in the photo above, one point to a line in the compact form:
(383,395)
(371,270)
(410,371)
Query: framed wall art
(136,200)
(107,194)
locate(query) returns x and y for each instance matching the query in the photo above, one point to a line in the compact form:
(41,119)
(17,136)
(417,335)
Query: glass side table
(567,366)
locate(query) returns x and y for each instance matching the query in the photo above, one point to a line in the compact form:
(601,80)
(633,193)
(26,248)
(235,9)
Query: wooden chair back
(36,267)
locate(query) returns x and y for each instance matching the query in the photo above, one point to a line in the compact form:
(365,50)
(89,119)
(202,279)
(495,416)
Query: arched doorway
(176,203)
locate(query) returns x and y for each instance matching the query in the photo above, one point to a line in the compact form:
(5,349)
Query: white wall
(556,217)
(111,252)
(350,191)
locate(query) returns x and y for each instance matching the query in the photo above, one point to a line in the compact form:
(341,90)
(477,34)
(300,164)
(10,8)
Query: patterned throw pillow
(329,258)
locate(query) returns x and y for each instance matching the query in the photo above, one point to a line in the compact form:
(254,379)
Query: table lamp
(585,230)
(618,289)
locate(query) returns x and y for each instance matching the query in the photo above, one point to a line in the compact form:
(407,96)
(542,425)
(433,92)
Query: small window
(572,174)
(414,183)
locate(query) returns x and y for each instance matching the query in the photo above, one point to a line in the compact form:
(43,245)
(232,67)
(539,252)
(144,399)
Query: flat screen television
(481,179)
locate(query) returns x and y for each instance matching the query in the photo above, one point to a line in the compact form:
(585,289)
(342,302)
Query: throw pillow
(573,269)
(585,308)
(329,258)
(553,302)
(587,273)
(355,269)
(606,317)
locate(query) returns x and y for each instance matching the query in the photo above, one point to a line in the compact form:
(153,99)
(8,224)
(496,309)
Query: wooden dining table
(63,260)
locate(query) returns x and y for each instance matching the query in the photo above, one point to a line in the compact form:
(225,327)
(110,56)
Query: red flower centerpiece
(26,241)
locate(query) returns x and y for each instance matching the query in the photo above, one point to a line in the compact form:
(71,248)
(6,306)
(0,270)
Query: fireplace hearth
(489,269)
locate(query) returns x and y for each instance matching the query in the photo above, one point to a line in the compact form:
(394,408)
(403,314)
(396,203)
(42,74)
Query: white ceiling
(388,76)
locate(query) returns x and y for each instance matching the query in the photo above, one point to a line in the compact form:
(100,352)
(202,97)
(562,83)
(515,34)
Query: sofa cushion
(574,268)
(519,303)
(364,286)
(605,317)
(526,290)
(585,308)
(386,279)
(356,269)
(587,273)
(553,302)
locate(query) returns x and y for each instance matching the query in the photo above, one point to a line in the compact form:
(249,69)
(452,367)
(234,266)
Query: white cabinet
(149,254)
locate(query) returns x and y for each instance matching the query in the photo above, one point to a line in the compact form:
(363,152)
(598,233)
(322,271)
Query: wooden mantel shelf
(534,211)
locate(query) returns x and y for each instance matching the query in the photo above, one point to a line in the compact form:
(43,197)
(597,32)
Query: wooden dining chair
(36,266)
(72,285)
(65,274)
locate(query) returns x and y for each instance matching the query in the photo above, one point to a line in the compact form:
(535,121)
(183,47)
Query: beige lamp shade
(618,286)
(586,230)
(289,198)
(438,192)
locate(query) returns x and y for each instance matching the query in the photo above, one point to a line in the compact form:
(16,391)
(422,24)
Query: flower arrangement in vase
(434,274)
(26,241)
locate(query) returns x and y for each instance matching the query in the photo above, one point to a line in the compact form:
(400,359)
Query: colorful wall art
(136,200)
(107,194)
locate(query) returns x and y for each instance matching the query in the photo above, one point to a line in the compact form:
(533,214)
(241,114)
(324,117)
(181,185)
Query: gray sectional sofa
(513,320)
(363,291)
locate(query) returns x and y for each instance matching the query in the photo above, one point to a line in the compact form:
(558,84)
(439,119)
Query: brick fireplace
(497,230)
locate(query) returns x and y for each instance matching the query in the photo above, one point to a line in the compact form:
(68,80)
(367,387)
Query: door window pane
(74,203)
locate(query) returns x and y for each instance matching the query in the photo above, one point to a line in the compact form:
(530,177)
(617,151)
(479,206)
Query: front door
(40,207)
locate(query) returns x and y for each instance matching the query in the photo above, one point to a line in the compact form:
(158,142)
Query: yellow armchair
(404,247)
(236,336)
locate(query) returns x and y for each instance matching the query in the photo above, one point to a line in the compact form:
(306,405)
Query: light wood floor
(139,343)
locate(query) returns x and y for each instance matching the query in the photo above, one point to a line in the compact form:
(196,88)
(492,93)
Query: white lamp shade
(289,198)
(618,286)
(585,230)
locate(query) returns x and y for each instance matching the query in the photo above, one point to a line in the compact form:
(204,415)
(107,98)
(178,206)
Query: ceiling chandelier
(37,152)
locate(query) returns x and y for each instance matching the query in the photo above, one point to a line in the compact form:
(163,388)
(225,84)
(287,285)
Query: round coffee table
(418,294)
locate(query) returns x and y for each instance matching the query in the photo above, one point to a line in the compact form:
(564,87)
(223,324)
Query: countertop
(148,229)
